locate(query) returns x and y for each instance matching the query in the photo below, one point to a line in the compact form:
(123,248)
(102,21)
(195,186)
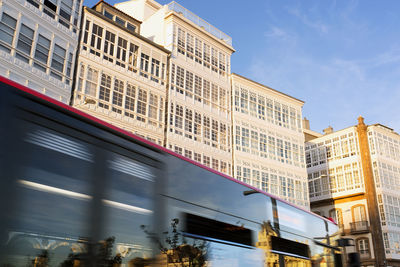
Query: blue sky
(341,57)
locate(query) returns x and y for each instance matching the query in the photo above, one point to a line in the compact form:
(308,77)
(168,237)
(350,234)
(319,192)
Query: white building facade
(121,75)
(384,146)
(38,41)
(198,97)
(163,73)
(334,165)
(268,146)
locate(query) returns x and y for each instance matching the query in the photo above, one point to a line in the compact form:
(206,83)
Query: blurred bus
(76,191)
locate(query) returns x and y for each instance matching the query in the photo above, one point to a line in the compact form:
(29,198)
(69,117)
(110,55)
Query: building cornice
(116,10)
(101,16)
(384,128)
(330,135)
(268,88)
(154,4)
(311,132)
(172,14)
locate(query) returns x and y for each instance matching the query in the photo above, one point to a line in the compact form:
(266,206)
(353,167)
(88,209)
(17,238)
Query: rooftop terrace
(173,6)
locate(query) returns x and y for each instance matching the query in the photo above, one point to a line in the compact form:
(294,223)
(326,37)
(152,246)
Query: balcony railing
(364,254)
(200,22)
(359,227)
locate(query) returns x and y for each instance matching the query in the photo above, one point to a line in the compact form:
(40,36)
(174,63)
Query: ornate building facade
(198,95)
(121,76)
(38,41)
(268,146)
(163,73)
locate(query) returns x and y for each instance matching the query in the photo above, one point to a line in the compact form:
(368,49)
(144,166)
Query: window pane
(57,62)
(66,10)
(105,90)
(108,14)
(51,4)
(119,21)
(42,49)
(8,20)
(25,39)
(7,30)
(131,27)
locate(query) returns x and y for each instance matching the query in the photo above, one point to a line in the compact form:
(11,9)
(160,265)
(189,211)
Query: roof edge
(117,9)
(94,12)
(175,14)
(263,85)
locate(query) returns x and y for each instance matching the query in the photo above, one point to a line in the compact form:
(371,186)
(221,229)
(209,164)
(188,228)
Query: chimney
(306,123)
(328,130)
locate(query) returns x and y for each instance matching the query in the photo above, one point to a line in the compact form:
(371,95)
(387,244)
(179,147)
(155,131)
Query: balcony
(359,227)
(200,22)
(364,254)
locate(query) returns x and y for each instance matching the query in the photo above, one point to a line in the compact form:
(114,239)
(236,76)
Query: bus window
(223,255)
(307,229)
(213,229)
(129,210)
(49,224)
(194,235)
(197,185)
(299,222)
(226,244)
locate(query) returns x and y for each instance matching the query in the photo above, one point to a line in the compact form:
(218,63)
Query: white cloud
(280,37)
(276,32)
(317,25)
(349,67)
(336,92)
(339,82)
(386,57)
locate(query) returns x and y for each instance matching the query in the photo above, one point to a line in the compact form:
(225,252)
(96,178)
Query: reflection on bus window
(174,248)
(50,220)
(128,204)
